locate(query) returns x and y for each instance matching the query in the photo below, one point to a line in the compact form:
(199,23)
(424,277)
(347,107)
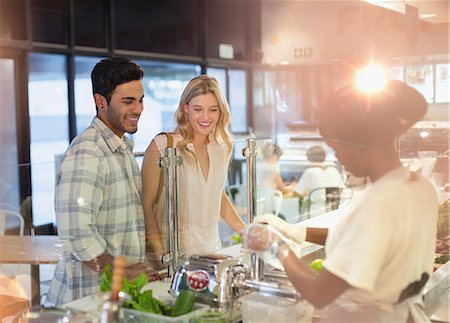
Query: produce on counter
(144,301)
(184,303)
(236,238)
(316,265)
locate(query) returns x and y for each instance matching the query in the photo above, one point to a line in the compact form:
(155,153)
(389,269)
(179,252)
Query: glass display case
(428,139)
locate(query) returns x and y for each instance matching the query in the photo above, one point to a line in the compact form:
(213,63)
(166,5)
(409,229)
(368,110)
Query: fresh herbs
(144,301)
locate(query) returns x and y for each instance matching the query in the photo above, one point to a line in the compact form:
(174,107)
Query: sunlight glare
(372,78)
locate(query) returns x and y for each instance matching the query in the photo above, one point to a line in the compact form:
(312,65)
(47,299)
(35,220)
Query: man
(98,188)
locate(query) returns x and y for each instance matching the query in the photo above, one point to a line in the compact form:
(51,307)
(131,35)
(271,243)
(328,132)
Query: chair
(8,219)
(325,199)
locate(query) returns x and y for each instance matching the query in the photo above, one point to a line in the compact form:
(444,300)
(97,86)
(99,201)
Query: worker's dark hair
(359,118)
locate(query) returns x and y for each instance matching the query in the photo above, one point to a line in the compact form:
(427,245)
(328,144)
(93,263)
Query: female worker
(203,140)
(380,254)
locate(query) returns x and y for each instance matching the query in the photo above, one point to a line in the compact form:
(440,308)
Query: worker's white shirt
(384,242)
(314,177)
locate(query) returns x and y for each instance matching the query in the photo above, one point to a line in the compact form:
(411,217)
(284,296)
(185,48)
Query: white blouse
(199,199)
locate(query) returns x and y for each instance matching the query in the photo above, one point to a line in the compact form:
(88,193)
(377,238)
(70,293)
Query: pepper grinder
(111,308)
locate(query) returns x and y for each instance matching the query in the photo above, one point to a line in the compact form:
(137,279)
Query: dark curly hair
(358,118)
(111,72)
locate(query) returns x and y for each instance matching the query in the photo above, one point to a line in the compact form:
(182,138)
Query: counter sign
(198,280)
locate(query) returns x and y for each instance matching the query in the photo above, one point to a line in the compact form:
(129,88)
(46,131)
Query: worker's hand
(265,240)
(258,237)
(293,232)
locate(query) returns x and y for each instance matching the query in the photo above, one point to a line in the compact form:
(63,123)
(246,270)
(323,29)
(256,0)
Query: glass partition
(198,197)
(287,159)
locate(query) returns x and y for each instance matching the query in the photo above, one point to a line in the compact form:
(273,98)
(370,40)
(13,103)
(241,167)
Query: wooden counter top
(33,250)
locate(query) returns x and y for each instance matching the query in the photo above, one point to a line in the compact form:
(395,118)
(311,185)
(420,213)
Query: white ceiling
(438,7)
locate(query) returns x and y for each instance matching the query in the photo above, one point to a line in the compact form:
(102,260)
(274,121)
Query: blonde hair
(271,149)
(199,85)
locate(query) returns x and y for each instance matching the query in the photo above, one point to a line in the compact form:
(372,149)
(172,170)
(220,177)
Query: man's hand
(135,270)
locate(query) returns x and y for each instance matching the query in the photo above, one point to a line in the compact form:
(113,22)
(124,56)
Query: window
(220,74)
(163,85)
(84,102)
(420,77)
(9,175)
(238,100)
(236,94)
(48,110)
(442,83)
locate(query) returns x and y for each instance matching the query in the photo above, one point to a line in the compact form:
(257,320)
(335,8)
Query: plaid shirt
(98,209)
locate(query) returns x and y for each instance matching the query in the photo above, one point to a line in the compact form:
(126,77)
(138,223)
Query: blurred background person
(318,174)
(315,176)
(269,174)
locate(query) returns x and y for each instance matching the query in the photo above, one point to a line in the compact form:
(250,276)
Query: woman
(269,174)
(380,254)
(203,140)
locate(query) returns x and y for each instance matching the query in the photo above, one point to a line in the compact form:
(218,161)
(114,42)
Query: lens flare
(371,78)
(424,134)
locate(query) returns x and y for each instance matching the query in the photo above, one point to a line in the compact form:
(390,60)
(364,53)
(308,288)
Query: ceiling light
(427,15)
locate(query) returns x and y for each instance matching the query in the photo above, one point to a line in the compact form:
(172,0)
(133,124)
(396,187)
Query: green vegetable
(316,265)
(236,238)
(184,303)
(141,301)
(106,285)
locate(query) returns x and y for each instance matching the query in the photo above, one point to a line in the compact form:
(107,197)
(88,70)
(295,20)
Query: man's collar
(112,140)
